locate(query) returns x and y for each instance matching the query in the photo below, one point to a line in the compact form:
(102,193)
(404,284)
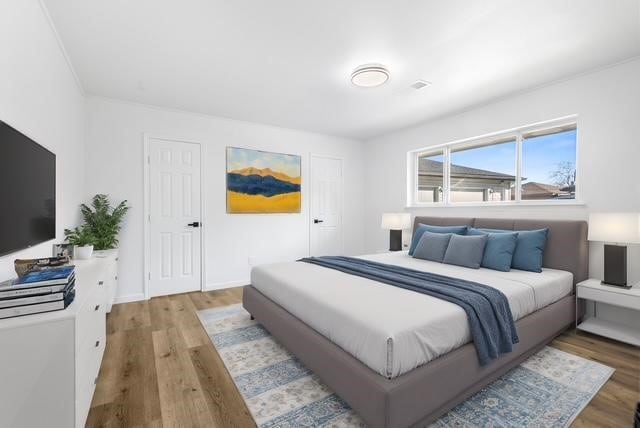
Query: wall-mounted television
(27,191)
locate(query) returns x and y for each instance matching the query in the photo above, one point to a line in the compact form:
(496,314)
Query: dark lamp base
(395,240)
(615,265)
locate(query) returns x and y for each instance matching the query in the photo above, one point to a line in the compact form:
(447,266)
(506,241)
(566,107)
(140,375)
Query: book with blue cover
(23,300)
(54,276)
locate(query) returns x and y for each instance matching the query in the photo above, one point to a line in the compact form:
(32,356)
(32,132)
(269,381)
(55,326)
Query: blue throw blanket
(490,319)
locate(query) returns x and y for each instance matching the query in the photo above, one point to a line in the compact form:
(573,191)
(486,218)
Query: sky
(243,158)
(540,156)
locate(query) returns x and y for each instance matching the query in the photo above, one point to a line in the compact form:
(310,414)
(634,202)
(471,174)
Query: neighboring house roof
(534,188)
(431,167)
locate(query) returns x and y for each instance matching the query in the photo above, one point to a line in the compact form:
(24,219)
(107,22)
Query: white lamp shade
(396,221)
(615,227)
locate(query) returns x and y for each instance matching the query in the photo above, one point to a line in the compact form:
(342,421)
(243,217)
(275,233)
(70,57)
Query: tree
(564,174)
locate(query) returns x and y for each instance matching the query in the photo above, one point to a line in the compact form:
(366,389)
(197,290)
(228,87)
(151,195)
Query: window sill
(499,204)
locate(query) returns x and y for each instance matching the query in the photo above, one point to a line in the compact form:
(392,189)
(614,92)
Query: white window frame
(468,143)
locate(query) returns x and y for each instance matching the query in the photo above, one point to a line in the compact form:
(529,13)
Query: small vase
(83,253)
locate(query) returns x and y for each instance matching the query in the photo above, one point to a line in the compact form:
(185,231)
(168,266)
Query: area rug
(549,389)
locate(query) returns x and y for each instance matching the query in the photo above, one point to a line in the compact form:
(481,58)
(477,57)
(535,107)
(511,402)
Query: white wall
(115,166)
(39,97)
(608,105)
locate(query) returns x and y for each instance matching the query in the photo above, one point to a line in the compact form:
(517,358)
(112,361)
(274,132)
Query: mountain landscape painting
(262,182)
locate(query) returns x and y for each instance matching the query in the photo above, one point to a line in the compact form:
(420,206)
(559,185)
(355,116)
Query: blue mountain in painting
(259,185)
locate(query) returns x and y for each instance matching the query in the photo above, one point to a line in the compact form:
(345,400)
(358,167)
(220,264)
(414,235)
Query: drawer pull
(97,343)
(97,307)
(116,277)
(95,381)
(100,282)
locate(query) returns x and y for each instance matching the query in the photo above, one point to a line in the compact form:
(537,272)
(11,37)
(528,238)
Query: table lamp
(614,229)
(395,223)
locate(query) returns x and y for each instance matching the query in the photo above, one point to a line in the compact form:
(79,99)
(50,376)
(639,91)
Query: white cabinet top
(88,273)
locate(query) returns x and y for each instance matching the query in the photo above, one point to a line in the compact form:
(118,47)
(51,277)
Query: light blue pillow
(529,250)
(498,253)
(465,251)
(432,246)
(458,230)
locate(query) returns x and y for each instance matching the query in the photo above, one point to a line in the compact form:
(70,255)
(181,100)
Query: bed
(400,358)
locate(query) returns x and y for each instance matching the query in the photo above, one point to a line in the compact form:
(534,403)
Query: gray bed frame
(422,395)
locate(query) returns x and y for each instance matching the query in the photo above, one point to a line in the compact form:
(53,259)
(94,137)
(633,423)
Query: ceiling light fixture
(370,75)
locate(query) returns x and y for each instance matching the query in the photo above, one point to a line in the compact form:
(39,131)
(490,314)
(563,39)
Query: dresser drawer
(111,283)
(91,336)
(610,296)
(91,346)
(91,316)
(86,387)
(89,360)
(83,404)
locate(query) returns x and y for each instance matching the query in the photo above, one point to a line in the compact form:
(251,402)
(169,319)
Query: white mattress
(390,329)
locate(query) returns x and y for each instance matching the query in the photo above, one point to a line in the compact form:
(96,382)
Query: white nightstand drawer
(609,295)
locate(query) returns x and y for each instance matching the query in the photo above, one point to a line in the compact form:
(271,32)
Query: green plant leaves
(80,236)
(102,221)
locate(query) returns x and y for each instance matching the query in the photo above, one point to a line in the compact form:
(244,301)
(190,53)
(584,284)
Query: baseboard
(209,287)
(129,298)
(227,284)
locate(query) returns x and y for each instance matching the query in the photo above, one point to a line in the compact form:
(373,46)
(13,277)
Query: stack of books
(40,291)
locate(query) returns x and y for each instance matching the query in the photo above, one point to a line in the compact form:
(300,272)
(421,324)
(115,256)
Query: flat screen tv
(27,191)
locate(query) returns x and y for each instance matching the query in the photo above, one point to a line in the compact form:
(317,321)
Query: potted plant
(103,221)
(82,240)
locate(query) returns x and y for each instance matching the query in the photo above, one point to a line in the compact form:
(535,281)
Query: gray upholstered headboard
(566,249)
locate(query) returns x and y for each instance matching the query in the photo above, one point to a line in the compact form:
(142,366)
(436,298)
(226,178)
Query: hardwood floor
(160,369)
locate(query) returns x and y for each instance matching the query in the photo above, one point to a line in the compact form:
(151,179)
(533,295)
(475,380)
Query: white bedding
(389,329)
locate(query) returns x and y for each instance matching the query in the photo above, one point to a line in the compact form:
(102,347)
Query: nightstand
(594,291)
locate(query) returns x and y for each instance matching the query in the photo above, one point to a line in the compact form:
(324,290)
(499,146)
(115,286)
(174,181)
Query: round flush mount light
(370,75)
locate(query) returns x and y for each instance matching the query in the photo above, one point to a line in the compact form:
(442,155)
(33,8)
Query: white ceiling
(288,62)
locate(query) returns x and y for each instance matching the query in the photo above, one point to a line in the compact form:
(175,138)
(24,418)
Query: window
(549,164)
(485,173)
(430,177)
(533,163)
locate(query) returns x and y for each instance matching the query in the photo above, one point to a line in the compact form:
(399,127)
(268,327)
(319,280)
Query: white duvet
(389,329)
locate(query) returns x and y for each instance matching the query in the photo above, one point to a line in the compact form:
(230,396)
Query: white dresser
(49,362)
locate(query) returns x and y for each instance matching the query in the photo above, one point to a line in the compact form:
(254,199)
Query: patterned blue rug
(549,389)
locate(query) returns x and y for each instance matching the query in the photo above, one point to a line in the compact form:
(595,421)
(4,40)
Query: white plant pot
(83,253)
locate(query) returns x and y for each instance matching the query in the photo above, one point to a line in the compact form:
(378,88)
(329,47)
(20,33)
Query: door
(174,217)
(326,206)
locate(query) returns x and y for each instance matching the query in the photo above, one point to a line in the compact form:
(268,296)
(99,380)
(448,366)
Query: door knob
(316,221)
(194,224)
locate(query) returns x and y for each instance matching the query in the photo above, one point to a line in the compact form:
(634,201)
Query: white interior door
(326,206)
(174,217)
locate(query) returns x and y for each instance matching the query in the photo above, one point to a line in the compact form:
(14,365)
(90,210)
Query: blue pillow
(432,246)
(465,251)
(498,253)
(529,250)
(458,230)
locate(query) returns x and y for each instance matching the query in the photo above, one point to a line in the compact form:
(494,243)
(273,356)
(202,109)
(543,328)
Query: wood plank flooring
(161,370)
